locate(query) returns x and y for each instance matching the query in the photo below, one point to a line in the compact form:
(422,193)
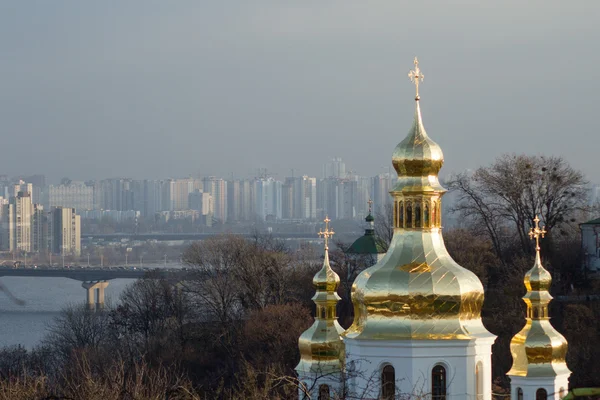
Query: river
(44,299)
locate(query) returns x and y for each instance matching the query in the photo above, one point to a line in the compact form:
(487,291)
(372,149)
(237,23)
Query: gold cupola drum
(538,350)
(321,346)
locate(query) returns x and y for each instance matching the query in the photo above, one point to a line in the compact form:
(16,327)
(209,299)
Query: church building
(417,330)
(369,246)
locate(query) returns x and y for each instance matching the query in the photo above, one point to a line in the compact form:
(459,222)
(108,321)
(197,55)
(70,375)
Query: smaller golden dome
(538,350)
(321,346)
(326,280)
(538,278)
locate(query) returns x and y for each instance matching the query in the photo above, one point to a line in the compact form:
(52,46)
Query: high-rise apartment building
(39,230)
(381,185)
(307,197)
(268,198)
(153,197)
(329,192)
(217,188)
(35,185)
(287,198)
(247,202)
(75,195)
(116,194)
(179,190)
(336,168)
(17,223)
(22,187)
(299,198)
(234,200)
(64,227)
(200,201)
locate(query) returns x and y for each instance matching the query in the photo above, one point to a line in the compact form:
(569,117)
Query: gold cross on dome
(327,233)
(415,75)
(370,202)
(536,233)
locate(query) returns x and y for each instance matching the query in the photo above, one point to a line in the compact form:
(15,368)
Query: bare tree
(263,276)
(153,314)
(384,225)
(514,189)
(214,284)
(77,327)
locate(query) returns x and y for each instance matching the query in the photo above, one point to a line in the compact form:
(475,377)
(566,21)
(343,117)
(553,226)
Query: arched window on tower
(519,394)
(434,214)
(409,215)
(541,394)
(417,215)
(388,383)
(438,383)
(401,214)
(426,216)
(324,392)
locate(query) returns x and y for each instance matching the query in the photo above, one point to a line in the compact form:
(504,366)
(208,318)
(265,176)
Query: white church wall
(413,362)
(556,388)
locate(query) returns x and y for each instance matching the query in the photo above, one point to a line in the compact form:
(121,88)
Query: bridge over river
(188,236)
(95,280)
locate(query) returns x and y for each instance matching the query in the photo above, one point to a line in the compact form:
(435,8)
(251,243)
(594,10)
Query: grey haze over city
(156,89)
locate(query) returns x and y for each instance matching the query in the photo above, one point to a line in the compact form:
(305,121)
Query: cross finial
(415,76)
(537,233)
(327,233)
(370,202)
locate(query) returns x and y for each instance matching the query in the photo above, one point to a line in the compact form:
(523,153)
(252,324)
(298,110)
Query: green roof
(367,244)
(592,222)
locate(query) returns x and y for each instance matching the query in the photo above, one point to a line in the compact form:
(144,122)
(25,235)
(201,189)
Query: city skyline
(257,173)
(101,90)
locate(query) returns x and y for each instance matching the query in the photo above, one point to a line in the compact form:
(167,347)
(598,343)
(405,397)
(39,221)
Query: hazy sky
(156,89)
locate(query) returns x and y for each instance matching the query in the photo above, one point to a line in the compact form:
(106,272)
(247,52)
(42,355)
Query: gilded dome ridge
(538,350)
(417,291)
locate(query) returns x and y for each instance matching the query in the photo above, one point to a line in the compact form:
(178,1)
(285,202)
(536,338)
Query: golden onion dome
(417,291)
(326,280)
(417,154)
(538,350)
(321,346)
(417,159)
(538,279)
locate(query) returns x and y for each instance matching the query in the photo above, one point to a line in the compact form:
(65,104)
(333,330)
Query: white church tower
(417,327)
(539,369)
